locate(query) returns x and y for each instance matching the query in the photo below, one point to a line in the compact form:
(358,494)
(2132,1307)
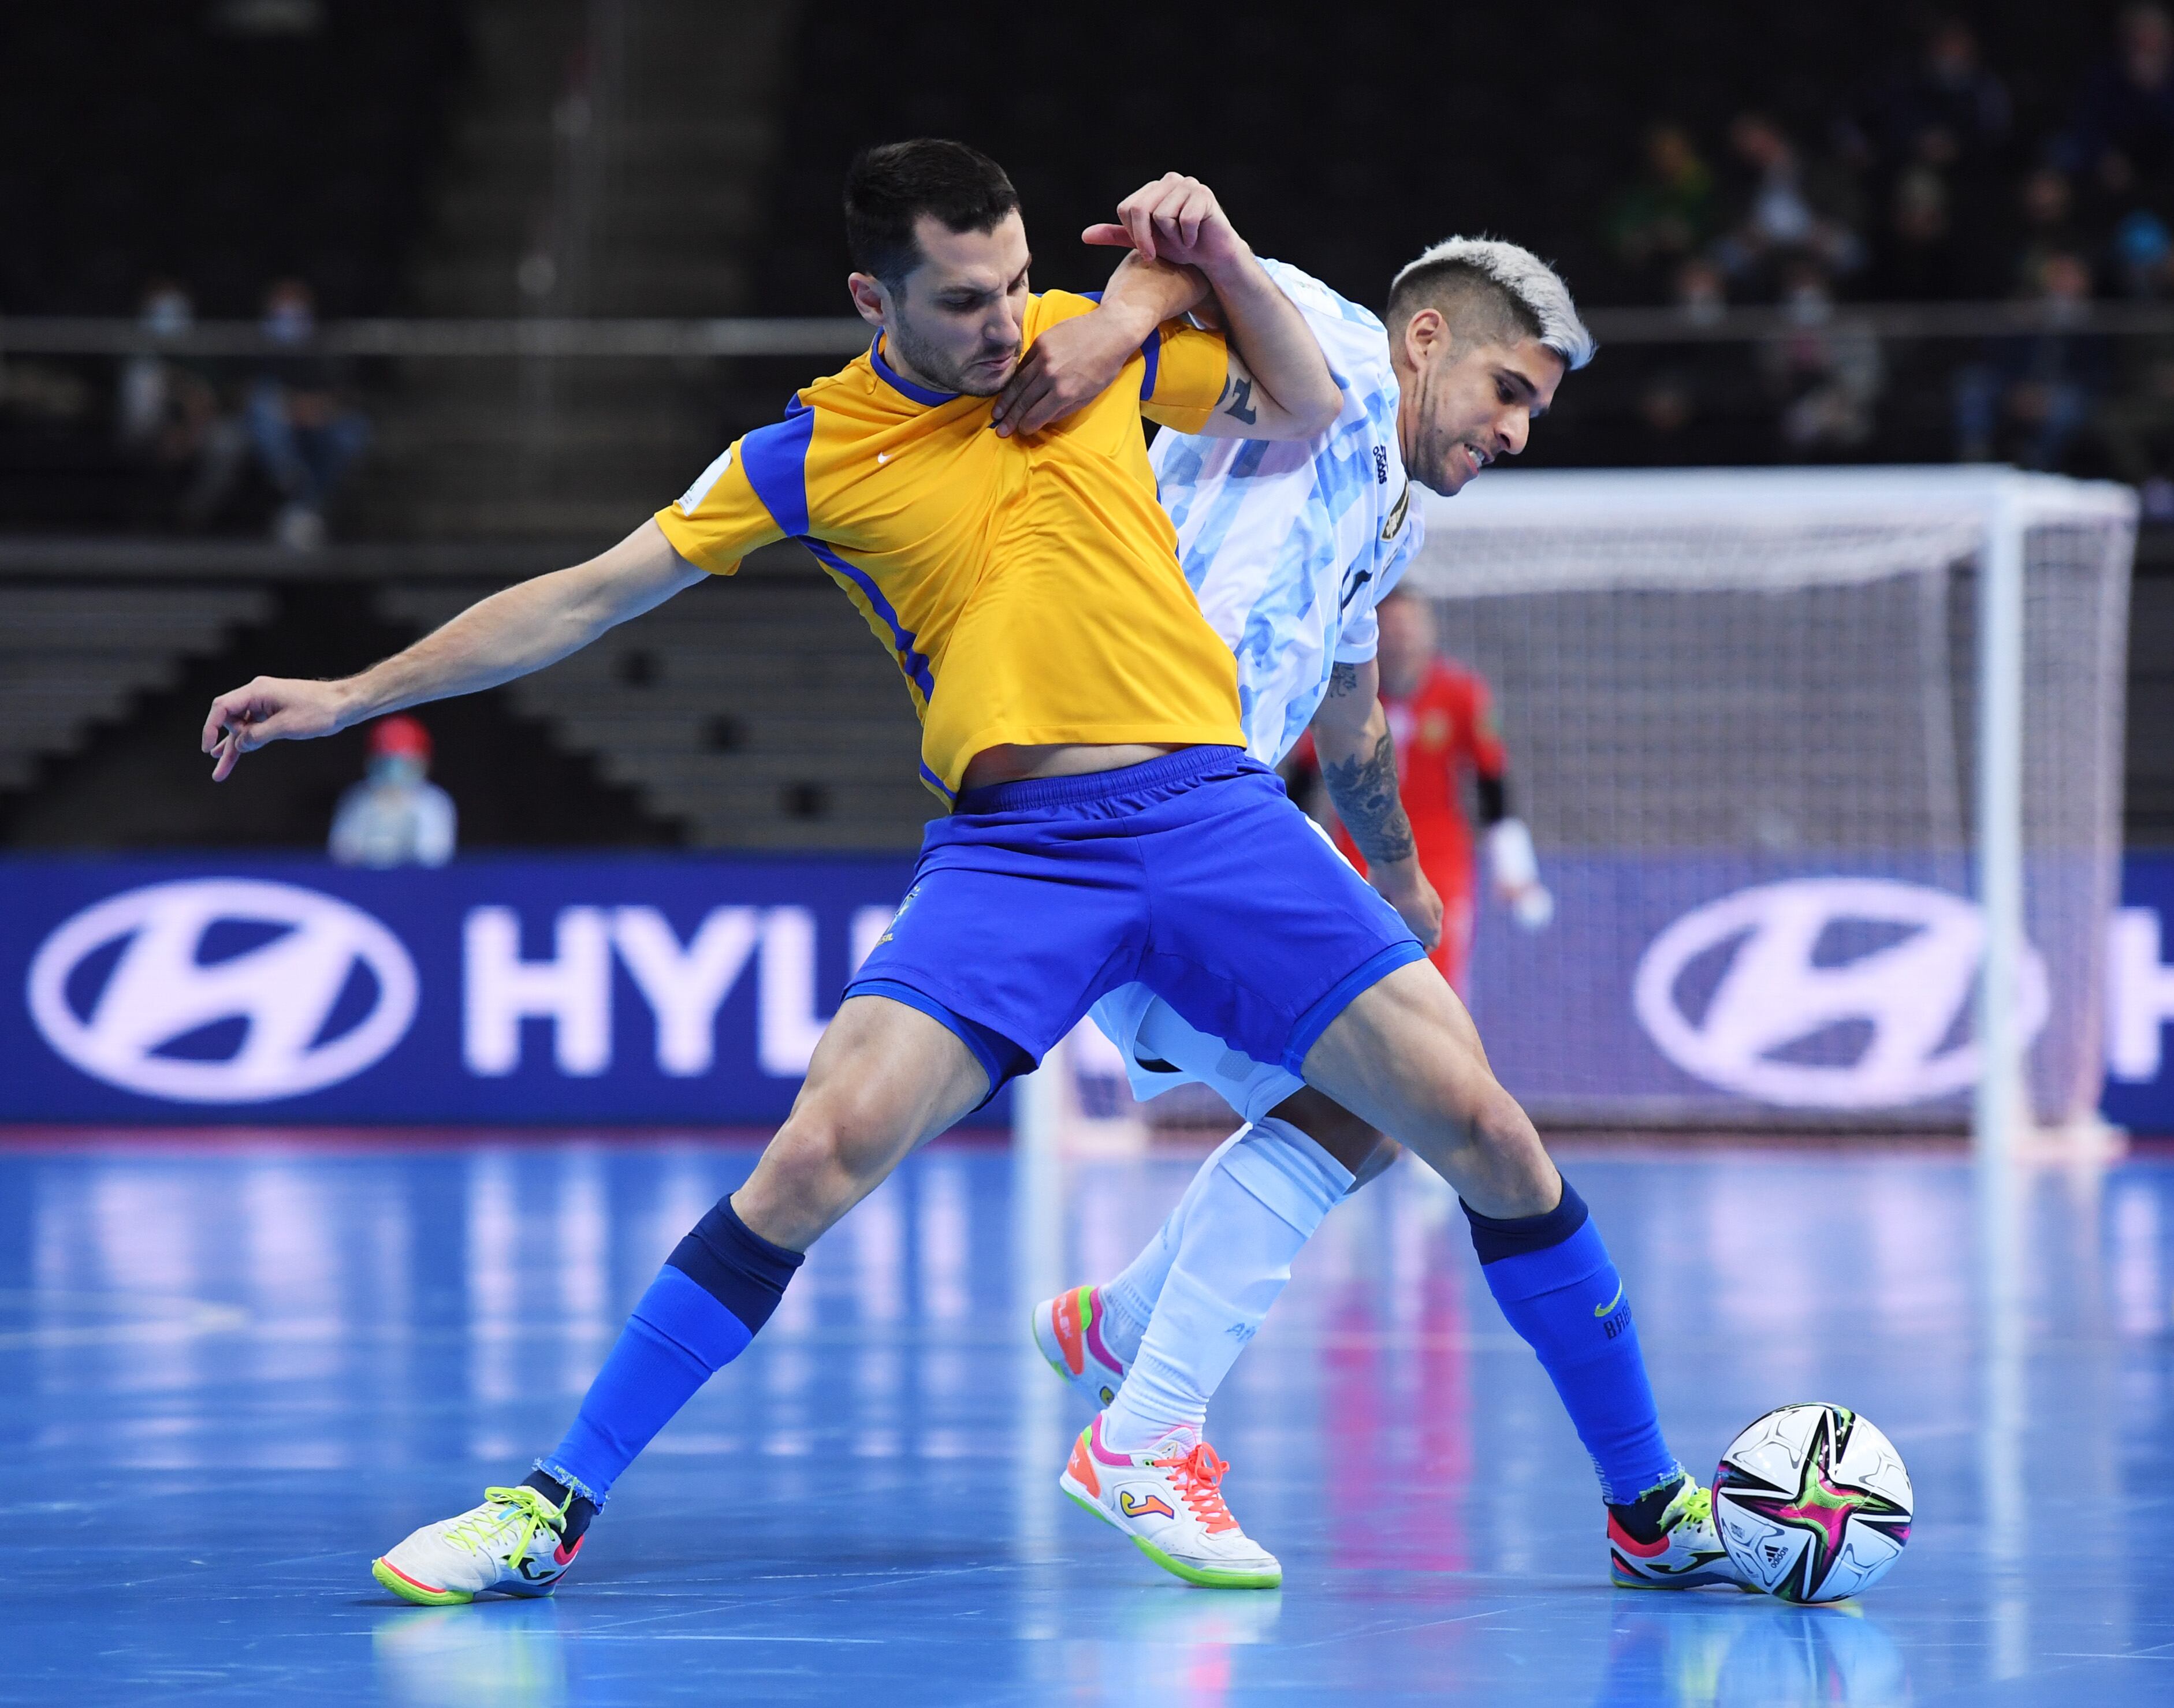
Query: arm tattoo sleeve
(1343,679)
(1238,401)
(1364,791)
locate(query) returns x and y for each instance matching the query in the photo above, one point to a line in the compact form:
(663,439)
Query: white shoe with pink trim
(1067,1329)
(1169,1500)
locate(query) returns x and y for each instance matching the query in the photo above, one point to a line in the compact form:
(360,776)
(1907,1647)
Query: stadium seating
(73,655)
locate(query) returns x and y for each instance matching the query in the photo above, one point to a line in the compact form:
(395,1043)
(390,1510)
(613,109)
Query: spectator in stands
(1666,215)
(1920,256)
(2034,393)
(1702,292)
(395,816)
(1943,111)
(2049,228)
(1692,411)
(2121,140)
(168,412)
(305,433)
(1787,210)
(1931,138)
(1826,371)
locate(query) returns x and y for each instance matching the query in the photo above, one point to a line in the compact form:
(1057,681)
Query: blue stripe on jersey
(903,639)
(776,460)
(942,788)
(1152,350)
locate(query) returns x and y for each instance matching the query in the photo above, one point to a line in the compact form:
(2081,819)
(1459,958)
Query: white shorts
(1162,1051)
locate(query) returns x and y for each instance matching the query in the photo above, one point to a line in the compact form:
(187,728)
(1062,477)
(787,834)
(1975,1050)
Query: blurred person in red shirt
(1443,719)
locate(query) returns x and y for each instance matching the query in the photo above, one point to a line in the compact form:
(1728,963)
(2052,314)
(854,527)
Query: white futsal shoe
(1067,1329)
(1684,1552)
(511,1543)
(1169,1500)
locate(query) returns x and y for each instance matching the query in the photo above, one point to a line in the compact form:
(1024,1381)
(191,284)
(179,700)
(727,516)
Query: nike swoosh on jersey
(1602,1309)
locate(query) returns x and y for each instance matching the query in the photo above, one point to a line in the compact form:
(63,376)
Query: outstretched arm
(522,628)
(1278,385)
(1358,768)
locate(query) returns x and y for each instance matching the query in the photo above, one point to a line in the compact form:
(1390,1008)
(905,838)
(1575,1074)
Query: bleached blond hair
(1523,288)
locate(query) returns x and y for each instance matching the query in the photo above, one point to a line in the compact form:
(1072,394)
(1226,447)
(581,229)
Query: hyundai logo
(222,990)
(1826,993)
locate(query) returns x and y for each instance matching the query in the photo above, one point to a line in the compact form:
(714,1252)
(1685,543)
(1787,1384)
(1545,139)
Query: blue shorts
(1192,875)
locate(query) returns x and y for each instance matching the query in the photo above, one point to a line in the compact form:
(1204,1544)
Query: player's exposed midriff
(1010,763)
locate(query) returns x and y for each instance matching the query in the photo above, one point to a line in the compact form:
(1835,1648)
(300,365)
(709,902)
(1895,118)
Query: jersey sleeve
(753,495)
(1187,370)
(1360,638)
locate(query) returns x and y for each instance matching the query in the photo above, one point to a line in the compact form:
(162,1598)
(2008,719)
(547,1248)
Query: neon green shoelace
(476,1531)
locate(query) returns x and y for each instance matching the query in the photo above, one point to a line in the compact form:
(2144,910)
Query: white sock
(1231,1239)
(1129,1300)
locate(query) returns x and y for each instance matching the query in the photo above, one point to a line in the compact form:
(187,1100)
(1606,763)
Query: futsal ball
(1812,1503)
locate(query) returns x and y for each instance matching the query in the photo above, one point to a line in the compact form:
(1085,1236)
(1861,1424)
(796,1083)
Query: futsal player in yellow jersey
(1106,826)
(1037,580)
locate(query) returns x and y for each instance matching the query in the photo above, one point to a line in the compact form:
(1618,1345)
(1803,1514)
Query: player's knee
(819,1158)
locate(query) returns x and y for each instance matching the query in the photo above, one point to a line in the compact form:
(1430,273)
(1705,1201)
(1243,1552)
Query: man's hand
(1069,366)
(1076,360)
(270,709)
(1405,888)
(1175,218)
(1279,386)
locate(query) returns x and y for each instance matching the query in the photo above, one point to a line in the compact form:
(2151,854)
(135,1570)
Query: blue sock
(1552,1277)
(717,1288)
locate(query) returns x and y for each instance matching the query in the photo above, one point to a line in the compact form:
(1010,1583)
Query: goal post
(1823,770)
(1824,766)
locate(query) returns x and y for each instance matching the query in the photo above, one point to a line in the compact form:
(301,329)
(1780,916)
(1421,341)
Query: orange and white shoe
(1067,1329)
(1169,1500)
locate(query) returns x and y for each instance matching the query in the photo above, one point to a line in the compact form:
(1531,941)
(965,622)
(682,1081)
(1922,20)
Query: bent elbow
(1308,421)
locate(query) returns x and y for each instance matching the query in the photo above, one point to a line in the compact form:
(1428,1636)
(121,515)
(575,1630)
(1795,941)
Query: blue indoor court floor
(233,1368)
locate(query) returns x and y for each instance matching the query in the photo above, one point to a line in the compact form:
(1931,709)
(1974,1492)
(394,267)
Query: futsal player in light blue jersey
(1288,547)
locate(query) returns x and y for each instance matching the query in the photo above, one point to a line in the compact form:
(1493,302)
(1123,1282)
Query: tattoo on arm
(1237,401)
(1364,791)
(1343,679)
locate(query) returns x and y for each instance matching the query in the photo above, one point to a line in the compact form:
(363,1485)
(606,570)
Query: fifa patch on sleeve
(691,500)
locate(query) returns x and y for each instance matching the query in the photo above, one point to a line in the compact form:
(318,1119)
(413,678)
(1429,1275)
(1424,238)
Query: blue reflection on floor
(231,1373)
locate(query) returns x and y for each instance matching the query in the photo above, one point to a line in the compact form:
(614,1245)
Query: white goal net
(1742,713)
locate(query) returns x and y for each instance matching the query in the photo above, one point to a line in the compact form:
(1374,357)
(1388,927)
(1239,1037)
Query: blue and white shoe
(511,1544)
(1685,1552)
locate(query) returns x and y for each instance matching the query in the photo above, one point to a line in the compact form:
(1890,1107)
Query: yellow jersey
(1029,588)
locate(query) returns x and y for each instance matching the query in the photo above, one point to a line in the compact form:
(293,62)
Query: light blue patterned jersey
(1289,545)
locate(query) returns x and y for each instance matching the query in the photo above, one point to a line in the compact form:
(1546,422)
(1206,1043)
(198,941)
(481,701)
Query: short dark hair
(891,185)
